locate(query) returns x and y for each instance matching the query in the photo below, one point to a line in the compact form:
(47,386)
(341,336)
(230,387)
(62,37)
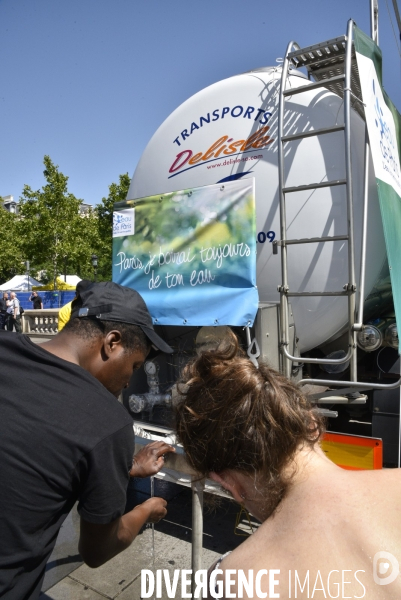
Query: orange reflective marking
(353,452)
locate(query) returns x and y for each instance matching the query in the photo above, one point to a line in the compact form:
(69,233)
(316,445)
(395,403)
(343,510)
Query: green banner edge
(390,209)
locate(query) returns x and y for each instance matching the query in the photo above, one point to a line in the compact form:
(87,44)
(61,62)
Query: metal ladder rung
(314,186)
(306,134)
(309,294)
(313,86)
(315,240)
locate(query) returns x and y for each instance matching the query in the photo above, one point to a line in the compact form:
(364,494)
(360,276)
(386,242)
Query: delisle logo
(224,146)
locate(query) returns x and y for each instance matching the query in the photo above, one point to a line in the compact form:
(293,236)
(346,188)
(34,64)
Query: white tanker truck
(296,133)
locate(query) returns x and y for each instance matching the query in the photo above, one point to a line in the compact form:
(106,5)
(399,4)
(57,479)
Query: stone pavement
(67,578)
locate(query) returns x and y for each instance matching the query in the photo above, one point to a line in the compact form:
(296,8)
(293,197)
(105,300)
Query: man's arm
(99,543)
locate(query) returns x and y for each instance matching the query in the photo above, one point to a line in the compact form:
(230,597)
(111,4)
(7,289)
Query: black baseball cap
(82,285)
(108,301)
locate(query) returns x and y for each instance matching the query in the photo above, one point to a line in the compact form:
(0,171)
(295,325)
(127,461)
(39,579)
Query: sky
(88,82)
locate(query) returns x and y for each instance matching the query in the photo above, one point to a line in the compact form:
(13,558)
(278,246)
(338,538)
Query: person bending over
(65,438)
(323,529)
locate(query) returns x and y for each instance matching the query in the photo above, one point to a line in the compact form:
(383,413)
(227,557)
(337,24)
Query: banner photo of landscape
(191,254)
(383,122)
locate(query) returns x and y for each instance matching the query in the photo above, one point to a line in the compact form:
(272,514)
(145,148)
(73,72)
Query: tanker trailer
(255,127)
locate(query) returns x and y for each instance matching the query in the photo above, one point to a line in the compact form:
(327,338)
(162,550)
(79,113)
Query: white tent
(19,283)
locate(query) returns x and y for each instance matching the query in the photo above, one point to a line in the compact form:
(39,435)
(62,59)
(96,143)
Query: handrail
(313,86)
(358,326)
(283,223)
(318,361)
(349,193)
(354,384)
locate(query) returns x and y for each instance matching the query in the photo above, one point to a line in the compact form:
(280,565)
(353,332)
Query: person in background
(65,311)
(3,310)
(251,430)
(37,301)
(65,437)
(13,311)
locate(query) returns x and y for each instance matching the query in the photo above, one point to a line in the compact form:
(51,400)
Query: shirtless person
(325,531)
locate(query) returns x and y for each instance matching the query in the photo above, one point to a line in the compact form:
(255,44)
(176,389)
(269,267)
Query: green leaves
(104,212)
(52,229)
(10,252)
(55,234)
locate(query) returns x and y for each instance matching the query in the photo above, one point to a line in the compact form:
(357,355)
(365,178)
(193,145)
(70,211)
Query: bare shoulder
(385,482)
(383,488)
(344,503)
(335,524)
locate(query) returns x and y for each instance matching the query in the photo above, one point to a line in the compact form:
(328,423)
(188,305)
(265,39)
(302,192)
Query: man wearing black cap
(65,438)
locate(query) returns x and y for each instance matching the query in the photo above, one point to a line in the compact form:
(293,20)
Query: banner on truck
(384,126)
(191,254)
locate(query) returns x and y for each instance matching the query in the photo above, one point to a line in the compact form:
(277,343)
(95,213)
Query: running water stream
(152,493)
(151,527)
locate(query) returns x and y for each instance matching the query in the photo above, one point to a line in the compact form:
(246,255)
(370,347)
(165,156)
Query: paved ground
(68,579)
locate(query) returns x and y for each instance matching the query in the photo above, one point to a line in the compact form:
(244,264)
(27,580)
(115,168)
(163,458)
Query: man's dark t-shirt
(37,302)
(63,438)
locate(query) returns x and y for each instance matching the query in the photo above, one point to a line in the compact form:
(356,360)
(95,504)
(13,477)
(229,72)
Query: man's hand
(99,543)
(150,459)
(156,507)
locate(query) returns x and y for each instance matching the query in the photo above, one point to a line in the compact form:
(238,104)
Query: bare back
(325,537)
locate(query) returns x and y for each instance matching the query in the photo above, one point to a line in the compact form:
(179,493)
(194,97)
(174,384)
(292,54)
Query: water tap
(140,402)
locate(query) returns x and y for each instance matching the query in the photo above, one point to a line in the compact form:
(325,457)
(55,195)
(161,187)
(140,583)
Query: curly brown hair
(233,415)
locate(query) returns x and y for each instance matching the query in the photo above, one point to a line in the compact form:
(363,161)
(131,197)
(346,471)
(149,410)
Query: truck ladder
(333,66)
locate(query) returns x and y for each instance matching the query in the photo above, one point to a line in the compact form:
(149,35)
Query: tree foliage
(53,233)
(10,248)
(104,211)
